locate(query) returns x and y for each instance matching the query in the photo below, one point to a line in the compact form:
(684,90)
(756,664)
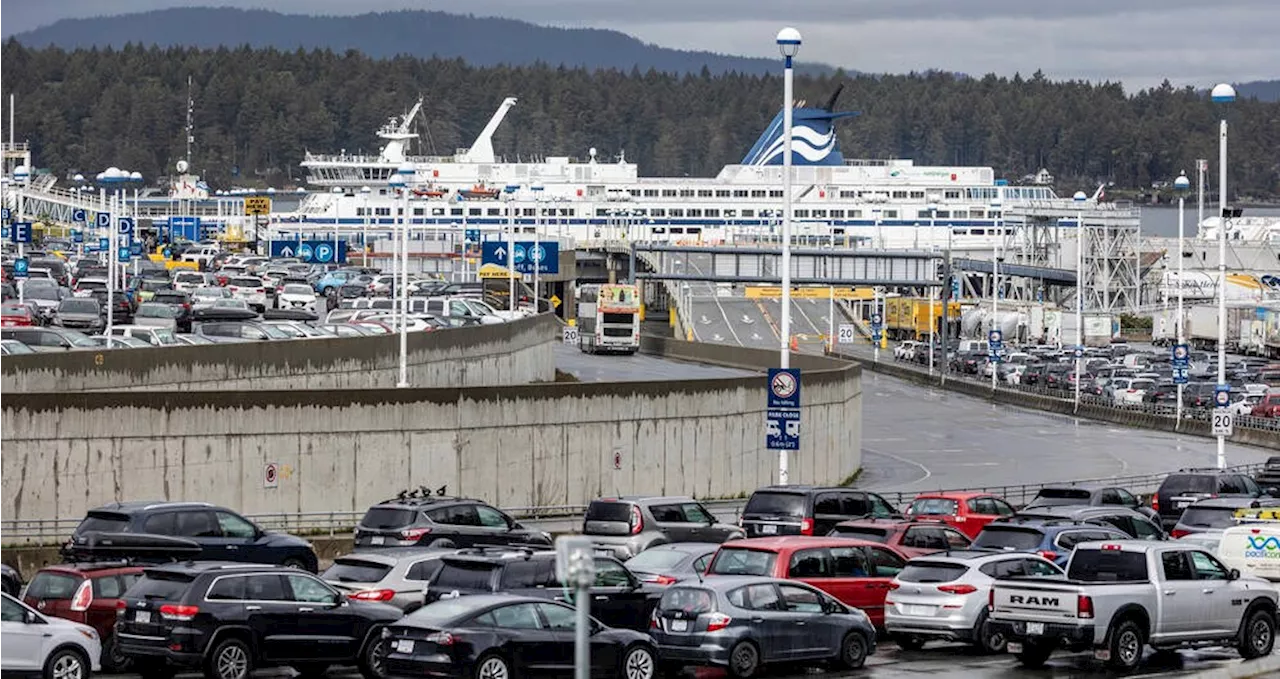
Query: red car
(1269,406)
(913,538)
(857,572)
(15,315)
(966,512)
(86,593)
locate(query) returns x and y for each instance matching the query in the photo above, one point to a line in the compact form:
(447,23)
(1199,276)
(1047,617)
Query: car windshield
(609,510)
(931,571)
(656,559)
(103,522)
(356,570)
(209,293)
(440,613)
(1055,497)
(294,289)
(92,285)
(1009,537)
(775,504)
(225,303)
(1208,517)
(154,285)
(78,339)
(245,282)
(1107,565)
(1177,484)
(15,309)
(78,306)
(740,561)
(690,600)
(275,333)
(157,311)
(42,292)
(14,347)
(933,505)
(465,575)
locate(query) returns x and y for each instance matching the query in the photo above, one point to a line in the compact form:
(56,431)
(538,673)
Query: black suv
(420,518)
(809,510)
(618,597)
(222,534)
(229,619)
(1185,487)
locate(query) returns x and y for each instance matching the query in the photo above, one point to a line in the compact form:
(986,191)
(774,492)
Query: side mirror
(1233,574)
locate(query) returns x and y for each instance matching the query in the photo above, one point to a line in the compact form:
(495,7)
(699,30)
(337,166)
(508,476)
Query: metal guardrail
(1066,394)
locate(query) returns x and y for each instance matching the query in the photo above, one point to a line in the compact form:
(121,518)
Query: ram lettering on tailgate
(1033,600)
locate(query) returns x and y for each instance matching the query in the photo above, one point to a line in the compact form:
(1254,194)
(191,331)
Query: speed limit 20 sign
(844,335)
(570,335)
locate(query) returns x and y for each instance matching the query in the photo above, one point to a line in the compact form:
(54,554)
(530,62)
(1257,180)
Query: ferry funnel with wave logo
(813,138)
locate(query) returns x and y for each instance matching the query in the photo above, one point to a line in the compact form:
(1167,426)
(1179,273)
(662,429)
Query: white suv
(54,648)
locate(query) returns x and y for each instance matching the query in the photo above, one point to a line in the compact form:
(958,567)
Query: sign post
(575,567)
(1223,424)
(1181,364)
(782,416)
(995,343)
(21,269)
(877,334)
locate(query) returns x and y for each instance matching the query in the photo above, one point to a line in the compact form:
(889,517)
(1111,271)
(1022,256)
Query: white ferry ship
(882,203)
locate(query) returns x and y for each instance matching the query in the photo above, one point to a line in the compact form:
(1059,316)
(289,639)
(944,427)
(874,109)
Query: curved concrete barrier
(509,353)
(521,445)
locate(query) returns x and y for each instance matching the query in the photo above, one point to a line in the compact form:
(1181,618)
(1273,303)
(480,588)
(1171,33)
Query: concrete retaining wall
(511,353)
(537,444)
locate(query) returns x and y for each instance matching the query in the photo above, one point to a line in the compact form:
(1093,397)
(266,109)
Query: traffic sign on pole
(1223,422)
(782,429)
(77,236)
(547,255)
(311,251)
(79,215)
(845,333)
(1222,395)
(21,232)
(5,215)
(21,267)
(124,225)
(784,388)
(569,334)
(102,220)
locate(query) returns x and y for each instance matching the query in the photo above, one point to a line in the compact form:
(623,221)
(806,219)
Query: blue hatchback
(1053,539)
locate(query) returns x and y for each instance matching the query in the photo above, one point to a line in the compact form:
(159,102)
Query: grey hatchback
(626,526)
(742,623)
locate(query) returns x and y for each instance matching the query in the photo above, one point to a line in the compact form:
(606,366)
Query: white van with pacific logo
(1253,548)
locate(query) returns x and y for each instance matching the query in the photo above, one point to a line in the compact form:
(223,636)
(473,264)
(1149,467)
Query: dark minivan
(1185,487)
(808,510)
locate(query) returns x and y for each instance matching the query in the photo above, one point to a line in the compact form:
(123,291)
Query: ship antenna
(190,108)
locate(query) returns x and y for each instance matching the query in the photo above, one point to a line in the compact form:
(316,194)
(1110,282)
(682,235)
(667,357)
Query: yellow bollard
(671,316)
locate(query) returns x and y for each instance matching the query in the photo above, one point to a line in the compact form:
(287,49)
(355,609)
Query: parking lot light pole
(511,251)
(400,180)
(789,44)
(1222,94)
(1181,186)
(1078,351)
(364,234)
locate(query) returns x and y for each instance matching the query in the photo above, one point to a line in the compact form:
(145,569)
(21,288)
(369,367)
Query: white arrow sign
(286,251)
(500,252)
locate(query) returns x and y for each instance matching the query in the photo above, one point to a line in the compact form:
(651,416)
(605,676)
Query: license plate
(1179,504)
(1014,647)
(768,529)
(921,610)
(379,540)
(679,625)
(1035,628)
(404,646)
(142,617)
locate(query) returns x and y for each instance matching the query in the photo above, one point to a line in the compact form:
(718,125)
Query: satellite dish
(183,165)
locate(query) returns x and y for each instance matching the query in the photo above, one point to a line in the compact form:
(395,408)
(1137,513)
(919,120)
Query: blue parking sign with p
(21,267)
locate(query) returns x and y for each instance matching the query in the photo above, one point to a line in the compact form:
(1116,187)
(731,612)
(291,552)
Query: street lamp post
(1181,186)
(1078,351)
(400,181)
(1222,94)
(364,231)
(115,177)
(789,45)
(511,250)
(933,318)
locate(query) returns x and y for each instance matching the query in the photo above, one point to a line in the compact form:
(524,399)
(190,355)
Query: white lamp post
(1181,186)
(1078,351)
(1222,94)
(511,250)
(933,318)
(789,44)
(364,231)
(400,181)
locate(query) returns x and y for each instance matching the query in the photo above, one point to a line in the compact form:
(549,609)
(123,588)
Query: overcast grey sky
(1140,42)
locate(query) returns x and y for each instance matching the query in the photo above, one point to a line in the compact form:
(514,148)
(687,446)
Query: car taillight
(664,580)
(1084,606)
(637,520)
(178,612)
(1155,503)
(1048,554)
(375,595)
(413,533)
(1178,532)
(653,620)
(991,599)
(894,585)
(806,526)
(717,622)
(83,597)
(957,589)
(441,638)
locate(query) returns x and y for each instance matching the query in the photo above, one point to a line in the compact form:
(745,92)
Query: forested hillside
(259,109)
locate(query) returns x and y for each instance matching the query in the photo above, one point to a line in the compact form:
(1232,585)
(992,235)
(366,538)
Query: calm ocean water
(1163,220)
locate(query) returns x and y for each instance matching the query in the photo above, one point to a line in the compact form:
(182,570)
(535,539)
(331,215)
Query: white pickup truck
(1120,596)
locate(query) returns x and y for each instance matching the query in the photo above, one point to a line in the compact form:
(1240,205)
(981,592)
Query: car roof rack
(422,495)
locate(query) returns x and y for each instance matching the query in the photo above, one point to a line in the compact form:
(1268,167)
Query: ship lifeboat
(429,192)
(479,192)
